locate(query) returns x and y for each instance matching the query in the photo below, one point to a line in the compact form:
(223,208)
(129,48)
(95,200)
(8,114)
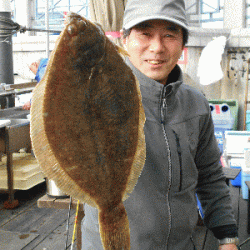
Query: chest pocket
(186,138)
(187,134)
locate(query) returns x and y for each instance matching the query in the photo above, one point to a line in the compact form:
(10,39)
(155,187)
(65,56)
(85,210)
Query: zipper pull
(164,99)
(163,106)
(163,110)
(164,103)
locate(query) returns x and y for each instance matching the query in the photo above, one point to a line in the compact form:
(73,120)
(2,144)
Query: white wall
(234,14)
(28,50)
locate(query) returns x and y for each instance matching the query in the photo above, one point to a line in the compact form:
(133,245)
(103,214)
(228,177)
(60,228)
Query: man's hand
(27,105)
(228,247)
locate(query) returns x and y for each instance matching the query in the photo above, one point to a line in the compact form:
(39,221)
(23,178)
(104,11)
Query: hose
(9,28)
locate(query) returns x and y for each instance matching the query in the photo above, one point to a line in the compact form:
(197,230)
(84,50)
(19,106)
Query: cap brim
(136,21)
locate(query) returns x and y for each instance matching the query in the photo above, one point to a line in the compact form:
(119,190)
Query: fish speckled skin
(87,125)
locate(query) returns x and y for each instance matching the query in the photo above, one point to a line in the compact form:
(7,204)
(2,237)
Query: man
(38,68)
(182,156)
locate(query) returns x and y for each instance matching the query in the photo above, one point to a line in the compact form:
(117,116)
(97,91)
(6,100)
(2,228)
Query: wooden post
(49,202)
(79,230)
(10,176)
(11,203)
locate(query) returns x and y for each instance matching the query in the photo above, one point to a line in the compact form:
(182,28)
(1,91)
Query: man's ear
(122,33)
(124,40)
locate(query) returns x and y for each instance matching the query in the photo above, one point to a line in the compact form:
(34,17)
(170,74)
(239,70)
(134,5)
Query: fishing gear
(243,243)
(8,28)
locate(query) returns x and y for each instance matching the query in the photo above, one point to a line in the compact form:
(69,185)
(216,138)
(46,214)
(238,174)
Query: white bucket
(53,190)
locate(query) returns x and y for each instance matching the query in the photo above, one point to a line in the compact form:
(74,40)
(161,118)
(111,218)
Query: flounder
(87,125)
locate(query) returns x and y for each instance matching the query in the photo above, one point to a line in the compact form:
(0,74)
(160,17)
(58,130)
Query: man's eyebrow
(173,27)
(143,25)
(169,27)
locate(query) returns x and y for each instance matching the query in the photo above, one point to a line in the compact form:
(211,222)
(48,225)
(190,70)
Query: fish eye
(72,30)
(82,24)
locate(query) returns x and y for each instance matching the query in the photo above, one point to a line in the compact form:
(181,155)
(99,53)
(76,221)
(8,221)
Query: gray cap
(138,11)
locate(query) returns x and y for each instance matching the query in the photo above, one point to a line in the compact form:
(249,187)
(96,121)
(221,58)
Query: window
(205,13)
(57,12)
(248,14)
(13,10)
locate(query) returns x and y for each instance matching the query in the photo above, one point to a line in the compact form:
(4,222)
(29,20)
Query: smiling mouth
(155,62)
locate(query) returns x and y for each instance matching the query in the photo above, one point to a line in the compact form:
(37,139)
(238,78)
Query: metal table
(7,97)
(231,173)
(14,135)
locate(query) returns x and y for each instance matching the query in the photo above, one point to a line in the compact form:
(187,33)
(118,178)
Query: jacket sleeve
(41,69)
(212,189)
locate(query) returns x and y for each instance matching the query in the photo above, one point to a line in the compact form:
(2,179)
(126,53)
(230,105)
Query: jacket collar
(174,81)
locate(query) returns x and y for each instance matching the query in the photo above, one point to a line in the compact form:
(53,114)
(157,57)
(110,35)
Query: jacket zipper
(163,107)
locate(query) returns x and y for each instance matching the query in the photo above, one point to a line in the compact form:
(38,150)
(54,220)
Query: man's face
(34,67)
(154,48)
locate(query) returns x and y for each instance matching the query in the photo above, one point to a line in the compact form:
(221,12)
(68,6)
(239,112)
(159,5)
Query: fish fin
(118,48)
(114,228)
(140,154)
(122,51)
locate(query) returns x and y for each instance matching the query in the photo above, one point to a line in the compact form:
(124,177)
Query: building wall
(234,65)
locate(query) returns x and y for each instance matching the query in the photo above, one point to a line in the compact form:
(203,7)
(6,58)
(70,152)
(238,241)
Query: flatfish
(87,125)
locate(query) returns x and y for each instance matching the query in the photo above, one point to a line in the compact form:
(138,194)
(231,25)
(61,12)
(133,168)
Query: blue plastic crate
(244,177)
(237,181)
(220,136)
(248,120)
(233,105)
(223,121)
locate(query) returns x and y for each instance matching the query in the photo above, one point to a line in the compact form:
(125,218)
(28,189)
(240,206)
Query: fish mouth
(74,23)
(155,61)
(71,16)
(89,38)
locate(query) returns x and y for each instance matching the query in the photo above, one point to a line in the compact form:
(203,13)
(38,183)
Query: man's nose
(157,45)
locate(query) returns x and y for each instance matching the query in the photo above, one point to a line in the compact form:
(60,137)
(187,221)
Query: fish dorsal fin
(140,154)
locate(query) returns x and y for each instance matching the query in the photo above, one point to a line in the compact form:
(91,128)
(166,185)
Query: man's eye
(146,34)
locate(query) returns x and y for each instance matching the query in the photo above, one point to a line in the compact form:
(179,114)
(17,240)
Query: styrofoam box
(23,183)
(245,176)
(236,142)
(237,162)
(26,172)
(247,158)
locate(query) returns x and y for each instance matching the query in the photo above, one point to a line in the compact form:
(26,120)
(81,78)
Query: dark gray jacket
(182,159)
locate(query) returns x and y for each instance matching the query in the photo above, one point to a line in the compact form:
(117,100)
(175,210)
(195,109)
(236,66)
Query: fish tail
(114,228)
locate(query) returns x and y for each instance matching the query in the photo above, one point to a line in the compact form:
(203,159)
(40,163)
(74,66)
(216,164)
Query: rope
(243,243)
(73,237)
